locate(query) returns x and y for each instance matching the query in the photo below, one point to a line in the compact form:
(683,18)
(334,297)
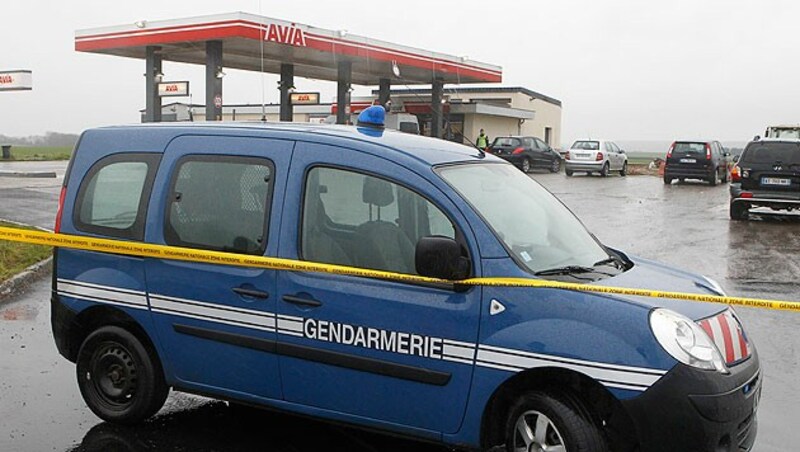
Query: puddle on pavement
(19,313)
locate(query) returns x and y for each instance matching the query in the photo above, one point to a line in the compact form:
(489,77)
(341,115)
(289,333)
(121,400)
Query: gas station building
(262,44)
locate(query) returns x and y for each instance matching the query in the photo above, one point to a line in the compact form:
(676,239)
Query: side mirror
(727,154)
(622,151)
(441,257)
(735,158)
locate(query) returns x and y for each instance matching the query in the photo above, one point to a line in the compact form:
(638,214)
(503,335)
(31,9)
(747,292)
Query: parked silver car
(595,156)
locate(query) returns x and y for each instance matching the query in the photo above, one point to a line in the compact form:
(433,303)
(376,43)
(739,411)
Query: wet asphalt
(684,225)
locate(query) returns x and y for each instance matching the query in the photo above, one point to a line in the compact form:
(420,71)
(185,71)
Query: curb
(19,282)
(15,286)
(30,174)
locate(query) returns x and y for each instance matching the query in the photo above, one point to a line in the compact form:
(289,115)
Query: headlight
(685,341)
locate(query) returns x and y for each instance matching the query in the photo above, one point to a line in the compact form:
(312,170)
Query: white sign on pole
(166,89)
(16,80)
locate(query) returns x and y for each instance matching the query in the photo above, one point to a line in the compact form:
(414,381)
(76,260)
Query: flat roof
(481,90)
(315,52)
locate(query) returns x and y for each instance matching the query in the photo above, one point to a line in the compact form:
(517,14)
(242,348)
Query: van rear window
(113,196)
(772,152)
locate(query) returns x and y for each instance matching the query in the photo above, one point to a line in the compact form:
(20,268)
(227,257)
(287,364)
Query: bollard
(6,152)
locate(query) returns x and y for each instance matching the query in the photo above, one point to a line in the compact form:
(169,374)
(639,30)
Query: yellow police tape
(275,263)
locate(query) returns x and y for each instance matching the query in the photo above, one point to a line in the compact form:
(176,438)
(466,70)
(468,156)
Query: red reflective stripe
(742,343)
(726,336)
(707,328)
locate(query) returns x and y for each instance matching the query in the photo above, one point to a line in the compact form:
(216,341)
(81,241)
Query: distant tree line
(49,139)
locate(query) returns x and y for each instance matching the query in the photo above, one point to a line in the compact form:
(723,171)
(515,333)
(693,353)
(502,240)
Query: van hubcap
(114,374)
(535,432)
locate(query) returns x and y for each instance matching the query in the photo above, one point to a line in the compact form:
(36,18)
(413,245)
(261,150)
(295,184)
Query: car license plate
(688,161)
(582,155)
(776,181)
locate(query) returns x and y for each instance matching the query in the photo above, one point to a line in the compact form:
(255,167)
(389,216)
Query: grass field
(40,153)
(15,257)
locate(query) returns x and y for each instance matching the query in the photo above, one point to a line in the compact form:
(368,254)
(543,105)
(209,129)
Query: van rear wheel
(119,379)
(541,421)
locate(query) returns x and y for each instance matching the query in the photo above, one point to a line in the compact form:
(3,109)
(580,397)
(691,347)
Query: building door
(548,132)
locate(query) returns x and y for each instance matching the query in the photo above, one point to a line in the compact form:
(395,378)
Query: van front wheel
(119,379)
(541,421)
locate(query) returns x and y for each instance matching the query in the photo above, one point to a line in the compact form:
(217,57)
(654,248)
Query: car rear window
(587,145)
(689,148)
(506,141)
(766,152)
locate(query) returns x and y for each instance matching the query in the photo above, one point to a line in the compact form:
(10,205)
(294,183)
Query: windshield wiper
(566,270)
(618,263)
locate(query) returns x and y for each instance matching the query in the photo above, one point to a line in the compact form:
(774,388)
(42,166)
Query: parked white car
(595,156)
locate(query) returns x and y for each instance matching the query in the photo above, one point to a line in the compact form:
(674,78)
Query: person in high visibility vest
(483,140)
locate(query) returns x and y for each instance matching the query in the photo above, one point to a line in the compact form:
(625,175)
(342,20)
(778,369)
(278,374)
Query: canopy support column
(152,74)
(286,87)
(214,76)
(437,93)
(343,92)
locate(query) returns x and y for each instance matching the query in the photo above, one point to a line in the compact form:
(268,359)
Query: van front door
(216,323)
(383,351)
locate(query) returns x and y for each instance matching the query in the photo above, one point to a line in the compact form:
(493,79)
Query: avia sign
(16,81)
(166,89)
(305,98)
(285,34)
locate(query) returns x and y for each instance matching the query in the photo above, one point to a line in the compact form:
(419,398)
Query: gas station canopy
(314,52)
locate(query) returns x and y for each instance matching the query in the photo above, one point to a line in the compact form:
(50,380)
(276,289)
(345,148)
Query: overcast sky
(626,70)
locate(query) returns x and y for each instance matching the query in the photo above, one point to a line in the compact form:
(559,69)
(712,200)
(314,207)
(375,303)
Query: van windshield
(539,231)
(772,152)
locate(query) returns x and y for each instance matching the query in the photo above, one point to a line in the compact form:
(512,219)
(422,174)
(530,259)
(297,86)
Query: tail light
(518,150)
(599,156)
(60,211)
(708,151)
(746,194)
(566,156)
(736,174)
(669,153)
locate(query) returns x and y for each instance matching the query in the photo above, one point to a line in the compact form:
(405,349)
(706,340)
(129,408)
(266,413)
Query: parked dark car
(766,175)
(703,160)
(526,153)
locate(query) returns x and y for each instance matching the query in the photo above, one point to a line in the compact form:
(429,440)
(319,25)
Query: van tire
(569,424)
(667,180)
(119,378)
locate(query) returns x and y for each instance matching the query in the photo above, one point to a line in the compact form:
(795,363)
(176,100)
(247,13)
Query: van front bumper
(695,410)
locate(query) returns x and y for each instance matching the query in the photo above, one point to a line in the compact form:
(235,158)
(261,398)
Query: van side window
(112,199)
(220,203)
(354,219)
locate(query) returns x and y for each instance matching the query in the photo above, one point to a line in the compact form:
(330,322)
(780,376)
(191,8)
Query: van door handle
(306,302)
(250,293)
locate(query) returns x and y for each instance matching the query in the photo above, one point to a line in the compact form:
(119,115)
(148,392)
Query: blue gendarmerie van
(473,367)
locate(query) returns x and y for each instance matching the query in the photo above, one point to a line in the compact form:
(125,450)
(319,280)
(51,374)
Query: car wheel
(624,171)
(568,172)
(667,180)
(739,211)
(540,421)
(604,171)
(555,166)
(713,178)
(526,165)
(725,175)
(119,378)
